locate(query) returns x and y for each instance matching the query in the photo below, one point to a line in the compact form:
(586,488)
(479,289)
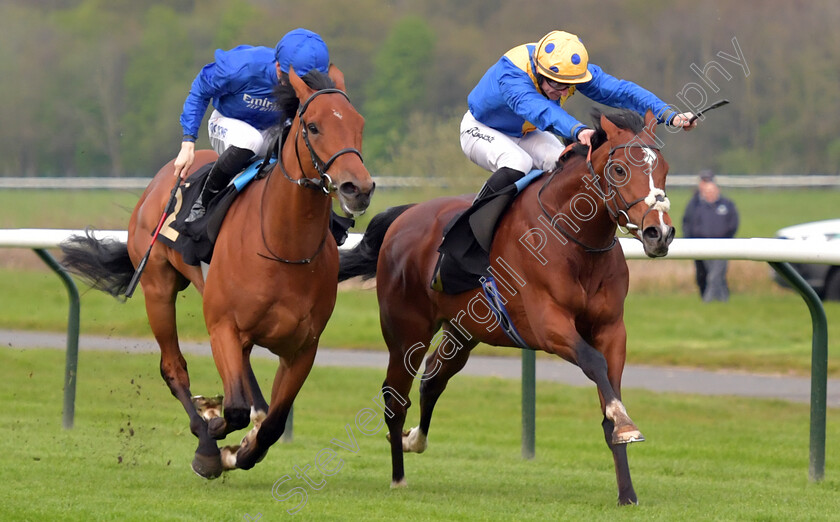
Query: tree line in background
(95,87)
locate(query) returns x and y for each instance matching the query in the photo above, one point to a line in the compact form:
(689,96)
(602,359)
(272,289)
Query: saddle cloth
(464,256)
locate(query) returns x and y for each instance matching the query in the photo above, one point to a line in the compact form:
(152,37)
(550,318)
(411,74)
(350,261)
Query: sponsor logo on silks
(259,104)
(475,133)
(218,131)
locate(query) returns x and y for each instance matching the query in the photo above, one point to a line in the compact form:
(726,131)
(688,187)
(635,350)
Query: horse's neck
(296,216)
(575,201)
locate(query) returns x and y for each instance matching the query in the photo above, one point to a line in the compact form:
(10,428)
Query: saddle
(464,252)
(195,240)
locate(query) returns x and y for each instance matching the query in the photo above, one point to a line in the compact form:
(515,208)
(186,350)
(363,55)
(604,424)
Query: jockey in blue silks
(241,84)
(516,110)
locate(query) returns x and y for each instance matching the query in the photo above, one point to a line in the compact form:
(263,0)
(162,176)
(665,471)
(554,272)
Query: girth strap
(497,306)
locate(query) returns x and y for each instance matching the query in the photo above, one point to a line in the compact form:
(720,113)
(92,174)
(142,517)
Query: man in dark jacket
(710,215)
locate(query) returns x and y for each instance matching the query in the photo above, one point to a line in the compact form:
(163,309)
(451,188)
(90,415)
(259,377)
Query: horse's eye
(312,128)
(619,170)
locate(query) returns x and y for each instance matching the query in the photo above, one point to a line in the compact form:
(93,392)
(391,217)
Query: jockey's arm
(185,159)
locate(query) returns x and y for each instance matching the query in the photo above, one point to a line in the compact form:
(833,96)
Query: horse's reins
(323,183)
(616,213)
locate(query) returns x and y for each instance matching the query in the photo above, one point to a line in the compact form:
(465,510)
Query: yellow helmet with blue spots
(561,56)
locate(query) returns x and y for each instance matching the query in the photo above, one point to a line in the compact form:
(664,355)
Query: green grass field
(127,458)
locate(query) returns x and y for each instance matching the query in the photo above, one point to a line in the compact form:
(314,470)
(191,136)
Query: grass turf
(128,456)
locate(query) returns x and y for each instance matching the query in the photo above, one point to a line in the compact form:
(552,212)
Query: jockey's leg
(500,179)
(236,142)
(229,164)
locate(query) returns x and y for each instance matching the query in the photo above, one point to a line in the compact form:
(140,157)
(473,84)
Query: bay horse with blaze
(559,269)
(272,281)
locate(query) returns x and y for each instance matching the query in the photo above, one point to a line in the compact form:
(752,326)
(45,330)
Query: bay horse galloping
(558,267)
(273,277)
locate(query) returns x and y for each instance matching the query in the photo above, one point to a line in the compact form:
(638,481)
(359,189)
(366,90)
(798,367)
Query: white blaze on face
(650,159)
(661,206)
(338,114)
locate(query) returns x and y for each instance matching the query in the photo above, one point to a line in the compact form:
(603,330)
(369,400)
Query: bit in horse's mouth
(350,213)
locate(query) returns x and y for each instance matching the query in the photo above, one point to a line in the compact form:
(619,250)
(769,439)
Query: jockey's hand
(185,159)
(584,137)
(682,120)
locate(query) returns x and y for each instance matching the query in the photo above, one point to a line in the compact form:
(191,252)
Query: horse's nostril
(349,189)
(651,234)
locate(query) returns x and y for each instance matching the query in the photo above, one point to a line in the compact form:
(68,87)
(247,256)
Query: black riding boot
(229,164)
(467,238)
(500,179)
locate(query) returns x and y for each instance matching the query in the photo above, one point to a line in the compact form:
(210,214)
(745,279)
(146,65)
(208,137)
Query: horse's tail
(361,260)
(103,264)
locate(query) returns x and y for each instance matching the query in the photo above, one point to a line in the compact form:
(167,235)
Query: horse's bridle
(323,183)
(655,199)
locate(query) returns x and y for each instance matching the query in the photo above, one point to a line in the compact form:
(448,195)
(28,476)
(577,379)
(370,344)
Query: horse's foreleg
(160,308)
(626,493)
(288,381)
(228,356)
(594,365)
(259,407)
(613,342)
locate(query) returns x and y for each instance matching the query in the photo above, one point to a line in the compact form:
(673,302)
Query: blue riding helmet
(304,50)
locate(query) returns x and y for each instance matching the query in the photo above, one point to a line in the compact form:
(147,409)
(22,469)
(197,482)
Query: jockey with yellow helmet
(516,110)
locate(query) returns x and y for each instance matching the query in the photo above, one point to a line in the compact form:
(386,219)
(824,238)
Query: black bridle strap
(613,191)
(323,183)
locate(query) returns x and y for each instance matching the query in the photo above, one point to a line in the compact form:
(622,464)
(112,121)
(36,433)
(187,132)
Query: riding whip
(132,285)
(715,105)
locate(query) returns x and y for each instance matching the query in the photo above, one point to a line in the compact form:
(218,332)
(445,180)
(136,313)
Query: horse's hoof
(207,466)
(626,437)
(399,484)
(414,441)
(228,457)
(208,407)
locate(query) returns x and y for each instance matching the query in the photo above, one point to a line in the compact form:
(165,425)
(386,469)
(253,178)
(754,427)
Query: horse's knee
(175,374)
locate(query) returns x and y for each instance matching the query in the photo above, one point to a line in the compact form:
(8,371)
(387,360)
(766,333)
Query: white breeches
(492,150)
(227,132)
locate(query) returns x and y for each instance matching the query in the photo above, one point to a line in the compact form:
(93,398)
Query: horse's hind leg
(160,288)
(395,392)
(448,359)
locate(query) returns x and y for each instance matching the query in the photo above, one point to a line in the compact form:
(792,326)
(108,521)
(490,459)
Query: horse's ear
(337,77)
(609,127)
(302,90)
(650,123)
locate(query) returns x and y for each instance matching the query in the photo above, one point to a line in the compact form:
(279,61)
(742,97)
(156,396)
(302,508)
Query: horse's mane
(286,97)
(623,119)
